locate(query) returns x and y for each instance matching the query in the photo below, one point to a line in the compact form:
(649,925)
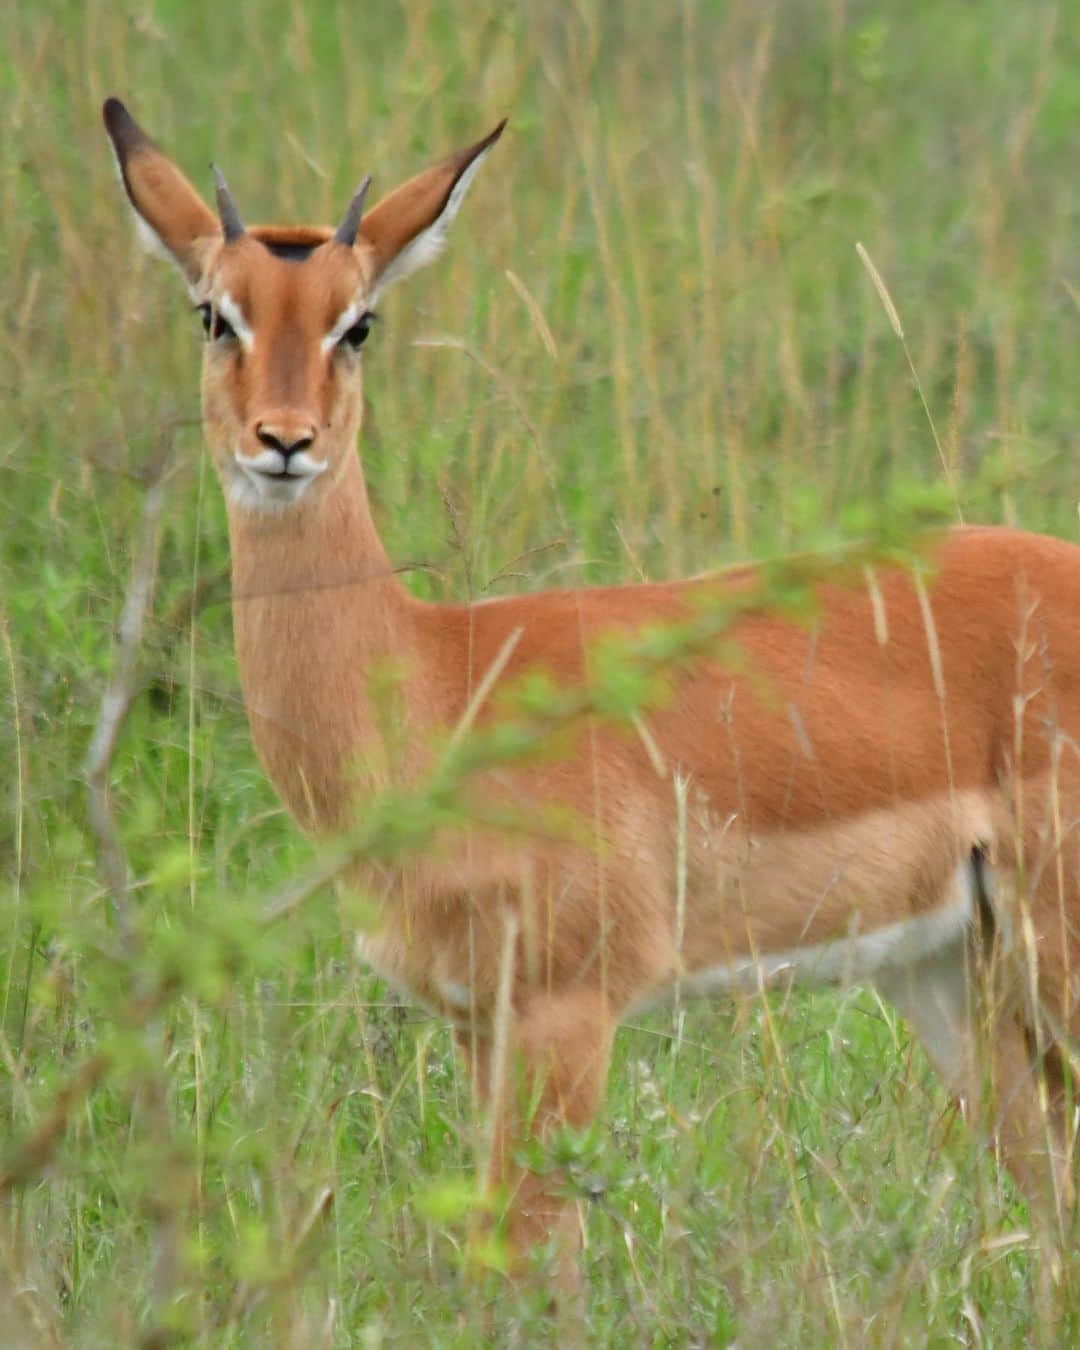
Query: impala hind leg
(553,1074)
(964,1004)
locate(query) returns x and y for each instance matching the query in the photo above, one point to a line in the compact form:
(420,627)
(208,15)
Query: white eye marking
(345,321)
(233,315)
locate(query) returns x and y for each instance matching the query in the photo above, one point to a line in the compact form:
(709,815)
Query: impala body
(887,793)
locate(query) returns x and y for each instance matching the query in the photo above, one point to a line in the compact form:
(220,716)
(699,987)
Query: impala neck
(329,542)
(318,613)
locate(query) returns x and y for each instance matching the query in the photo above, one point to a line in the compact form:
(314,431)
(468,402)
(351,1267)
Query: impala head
(285,309)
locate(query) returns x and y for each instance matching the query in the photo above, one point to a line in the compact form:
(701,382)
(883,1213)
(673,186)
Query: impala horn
(347,231)
(231,224)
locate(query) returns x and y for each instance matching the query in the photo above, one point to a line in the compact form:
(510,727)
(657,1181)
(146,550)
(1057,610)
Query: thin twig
(499,379)
(328,869)
(120,690)
(38,1150)
(20,801)
(31,1155)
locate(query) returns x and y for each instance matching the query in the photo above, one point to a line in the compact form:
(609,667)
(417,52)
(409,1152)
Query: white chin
(256,484)
(262,492)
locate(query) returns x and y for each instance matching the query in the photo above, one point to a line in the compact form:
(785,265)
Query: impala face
(285,310)
(282,392)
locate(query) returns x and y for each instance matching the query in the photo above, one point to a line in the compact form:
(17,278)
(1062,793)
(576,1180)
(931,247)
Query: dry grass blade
(535,313)
(483,689)
(882,290)
(894,321)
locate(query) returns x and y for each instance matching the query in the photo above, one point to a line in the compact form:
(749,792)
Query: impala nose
(285,437)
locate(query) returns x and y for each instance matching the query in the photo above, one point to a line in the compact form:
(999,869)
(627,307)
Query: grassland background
(679,194)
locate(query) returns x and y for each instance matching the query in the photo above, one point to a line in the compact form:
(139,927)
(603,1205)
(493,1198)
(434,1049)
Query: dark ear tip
(482,146)
(126,133)
(113,113)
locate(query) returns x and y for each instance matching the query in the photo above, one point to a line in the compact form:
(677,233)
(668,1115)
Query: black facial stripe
(289,251)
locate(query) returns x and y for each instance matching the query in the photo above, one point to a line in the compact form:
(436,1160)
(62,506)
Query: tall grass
(651,349)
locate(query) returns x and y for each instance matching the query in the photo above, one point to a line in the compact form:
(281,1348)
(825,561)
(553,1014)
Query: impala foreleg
(554,1063)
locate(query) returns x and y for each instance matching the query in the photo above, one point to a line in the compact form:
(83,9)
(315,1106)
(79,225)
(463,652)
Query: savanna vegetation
(651,349)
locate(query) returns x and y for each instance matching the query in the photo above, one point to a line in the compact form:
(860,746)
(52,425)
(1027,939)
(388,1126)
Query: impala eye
(355,337)
(215,326)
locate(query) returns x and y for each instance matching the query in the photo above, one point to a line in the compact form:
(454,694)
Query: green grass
(679,193)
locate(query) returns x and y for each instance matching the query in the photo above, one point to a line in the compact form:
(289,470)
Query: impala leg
(556,1064)
(972,1025)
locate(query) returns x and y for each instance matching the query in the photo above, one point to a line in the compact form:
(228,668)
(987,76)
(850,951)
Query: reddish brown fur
(831,784)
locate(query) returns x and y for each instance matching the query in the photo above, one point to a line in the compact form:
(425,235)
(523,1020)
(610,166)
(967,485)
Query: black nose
(284,442)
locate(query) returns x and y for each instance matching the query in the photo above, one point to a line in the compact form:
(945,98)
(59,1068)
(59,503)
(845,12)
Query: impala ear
(408,229)
(173,218)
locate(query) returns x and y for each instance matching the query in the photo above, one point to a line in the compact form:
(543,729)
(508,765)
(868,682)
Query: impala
(887,794)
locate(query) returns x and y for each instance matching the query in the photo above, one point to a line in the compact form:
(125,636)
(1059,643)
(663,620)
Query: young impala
(888,794)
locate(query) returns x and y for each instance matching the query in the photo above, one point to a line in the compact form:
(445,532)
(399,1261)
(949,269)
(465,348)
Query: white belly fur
(882,954)
(857,957)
